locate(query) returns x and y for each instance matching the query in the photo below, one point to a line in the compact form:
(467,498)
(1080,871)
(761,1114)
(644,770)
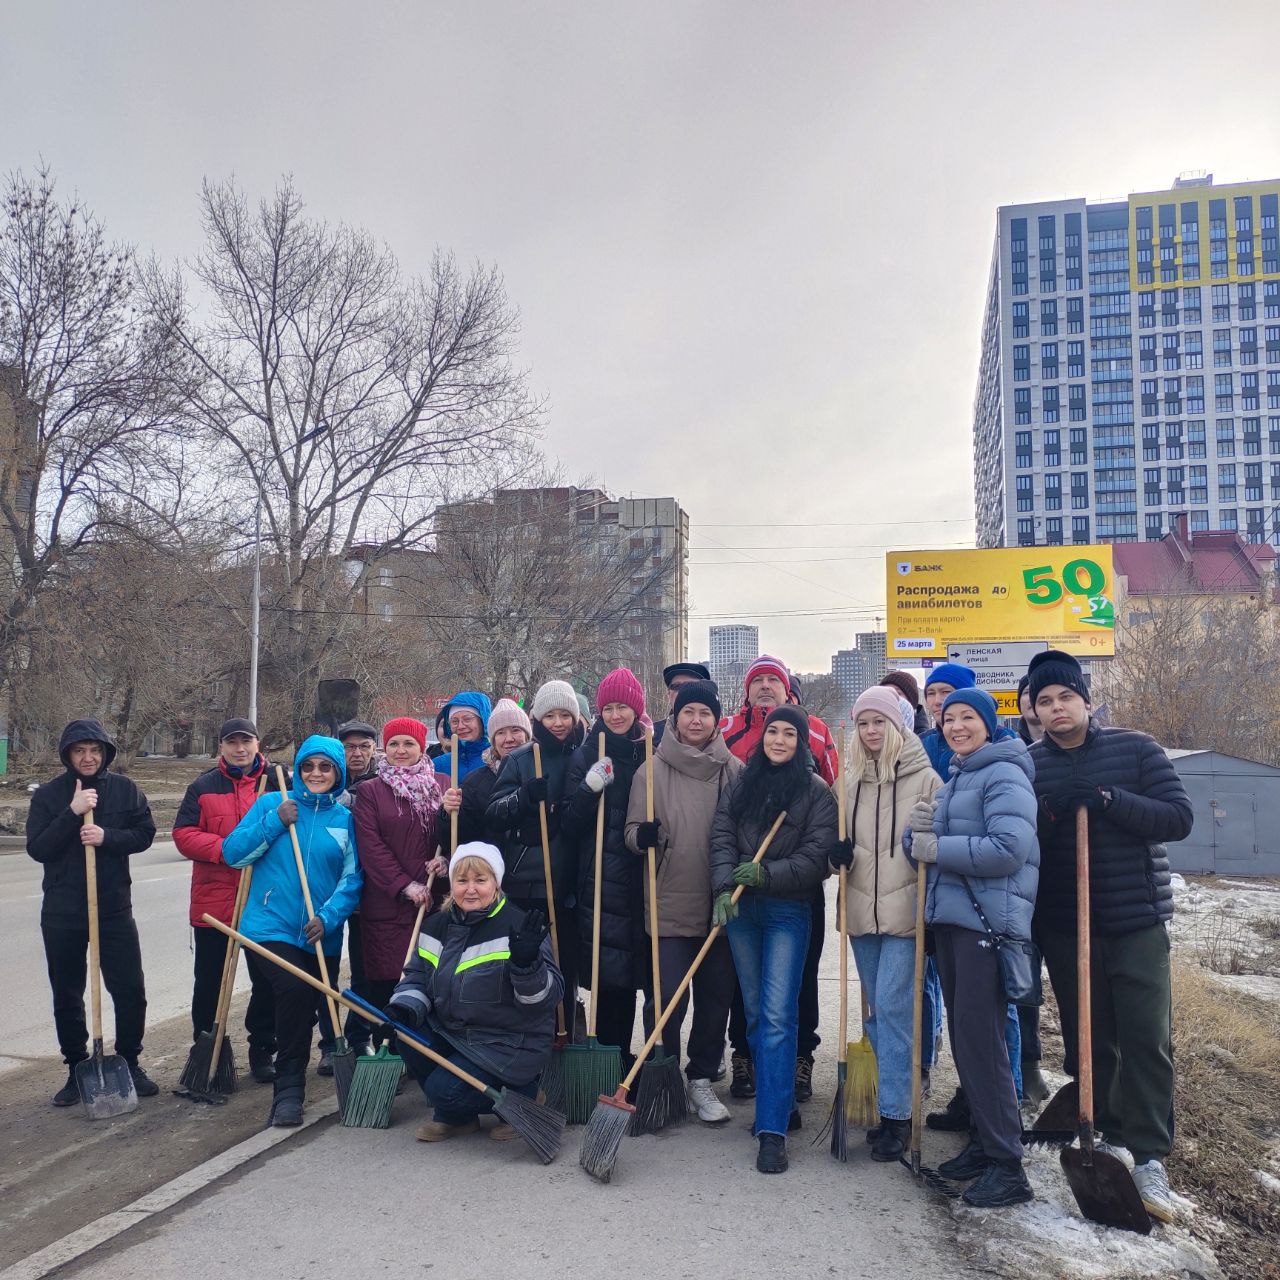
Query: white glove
(924,846)
(921,818)
(600,775)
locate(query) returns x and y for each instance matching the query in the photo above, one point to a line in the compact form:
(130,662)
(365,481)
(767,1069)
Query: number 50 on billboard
(1063,595)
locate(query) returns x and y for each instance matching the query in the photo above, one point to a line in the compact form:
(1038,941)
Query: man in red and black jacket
(211,809)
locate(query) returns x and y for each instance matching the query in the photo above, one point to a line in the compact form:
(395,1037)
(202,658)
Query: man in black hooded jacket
(120,825)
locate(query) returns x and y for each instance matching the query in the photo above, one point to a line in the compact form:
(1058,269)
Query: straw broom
(592,1068)
(612,1117)
(551,1084)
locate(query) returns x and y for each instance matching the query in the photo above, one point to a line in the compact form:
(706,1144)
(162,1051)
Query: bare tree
(825,698)
(342,393)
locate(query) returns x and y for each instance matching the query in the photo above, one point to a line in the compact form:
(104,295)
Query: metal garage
(1237,815)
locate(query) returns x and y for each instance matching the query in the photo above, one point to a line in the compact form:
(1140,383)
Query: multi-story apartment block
(734,648)
(858,668)
(1130,368)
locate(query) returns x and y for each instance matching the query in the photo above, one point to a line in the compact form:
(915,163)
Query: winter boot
(873,1133)
(326,1062)
(709,1108)
(804,1079)
(893,1139)
(143,1085)
(438,1131)
(1153,1186)
(262,1064)
(954,1119)
(1002,1183)
(69,1094)
(793,1120)
(289,1089)
(970,1163)
(773,1154)
(744,1077)
(1035,1088)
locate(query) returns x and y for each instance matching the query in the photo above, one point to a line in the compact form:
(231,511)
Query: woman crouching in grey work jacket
(483,990)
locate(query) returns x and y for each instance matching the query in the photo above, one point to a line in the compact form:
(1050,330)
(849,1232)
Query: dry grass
(1229,942)
(1227,1108)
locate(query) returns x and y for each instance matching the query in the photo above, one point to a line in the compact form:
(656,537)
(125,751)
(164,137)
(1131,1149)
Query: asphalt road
(161,887)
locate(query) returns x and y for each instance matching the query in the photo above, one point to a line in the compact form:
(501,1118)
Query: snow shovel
(1104,1189)
(106,1087)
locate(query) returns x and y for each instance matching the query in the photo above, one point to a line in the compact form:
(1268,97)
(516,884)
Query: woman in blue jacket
(276,915)
(980,842)
(465,717)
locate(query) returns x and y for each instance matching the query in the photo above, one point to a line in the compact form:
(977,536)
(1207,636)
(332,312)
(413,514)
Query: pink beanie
(621,685)
(766,665)
(508,715)
(882,699)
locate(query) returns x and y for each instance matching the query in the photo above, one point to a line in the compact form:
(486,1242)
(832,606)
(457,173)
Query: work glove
(724,910)
(533,792)
(647,834)
(526,941)
(406,1014)
(755,875)
(841,855)
(924,847)
(921,816)
(600,775)
(1061,805)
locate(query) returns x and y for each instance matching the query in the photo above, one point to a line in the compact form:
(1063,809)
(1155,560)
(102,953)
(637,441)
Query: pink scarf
(415,783)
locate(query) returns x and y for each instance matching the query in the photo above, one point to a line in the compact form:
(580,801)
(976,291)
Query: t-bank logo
(904,567)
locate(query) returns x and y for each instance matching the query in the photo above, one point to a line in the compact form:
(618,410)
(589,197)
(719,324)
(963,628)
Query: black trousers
(66,950)
(260,1017)
(807,1038)
(616,1019)
(1029,1027)
(295,1006)
(713,987)
(356,1029)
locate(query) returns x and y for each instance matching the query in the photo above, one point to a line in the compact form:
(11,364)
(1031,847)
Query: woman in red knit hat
(396,817)
(621,717)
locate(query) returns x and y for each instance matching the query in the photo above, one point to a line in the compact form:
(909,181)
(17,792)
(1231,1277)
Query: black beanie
(905,683)
(1055,667)
(790,714)
(703,691)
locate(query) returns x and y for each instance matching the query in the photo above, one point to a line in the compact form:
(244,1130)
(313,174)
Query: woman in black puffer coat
(621,718)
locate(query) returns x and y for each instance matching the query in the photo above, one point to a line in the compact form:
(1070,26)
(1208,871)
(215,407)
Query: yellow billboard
(1062,595)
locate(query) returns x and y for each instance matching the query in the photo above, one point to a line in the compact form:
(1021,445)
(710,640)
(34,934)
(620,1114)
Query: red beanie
(766,665)
(407,725)
(621,686)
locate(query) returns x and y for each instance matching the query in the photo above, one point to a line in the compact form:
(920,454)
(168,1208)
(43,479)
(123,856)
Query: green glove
(724,910)
(755,875)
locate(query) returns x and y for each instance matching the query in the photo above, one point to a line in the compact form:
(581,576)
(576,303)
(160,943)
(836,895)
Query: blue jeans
(1013,1038)
(769,939)
(454,1101)
(887,970)
(931,1018)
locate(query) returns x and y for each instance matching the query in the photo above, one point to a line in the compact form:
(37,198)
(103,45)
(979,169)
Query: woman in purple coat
(395,816)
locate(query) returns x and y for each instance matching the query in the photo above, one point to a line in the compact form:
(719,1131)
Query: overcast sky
(749,242)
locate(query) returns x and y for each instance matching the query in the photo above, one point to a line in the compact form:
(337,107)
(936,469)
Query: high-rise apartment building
(733,649)
(1130,368)
(859,668)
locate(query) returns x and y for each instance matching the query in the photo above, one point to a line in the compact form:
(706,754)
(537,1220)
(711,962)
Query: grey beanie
(555,695)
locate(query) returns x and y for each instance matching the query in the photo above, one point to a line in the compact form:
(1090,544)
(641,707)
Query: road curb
(74,1246)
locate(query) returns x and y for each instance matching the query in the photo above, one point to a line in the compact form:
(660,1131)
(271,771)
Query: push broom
(539,1126)
(592,1069)
(660,1096)
(838,1121)
(612,1117)
(344,1063)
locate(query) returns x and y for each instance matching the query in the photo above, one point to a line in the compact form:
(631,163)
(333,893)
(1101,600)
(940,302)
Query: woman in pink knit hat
(621,717)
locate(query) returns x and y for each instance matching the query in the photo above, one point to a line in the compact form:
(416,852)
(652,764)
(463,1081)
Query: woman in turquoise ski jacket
(275,913)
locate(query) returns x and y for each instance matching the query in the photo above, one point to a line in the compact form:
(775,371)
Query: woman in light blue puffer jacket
(980,840)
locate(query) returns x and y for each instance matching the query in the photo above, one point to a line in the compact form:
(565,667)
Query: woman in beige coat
(889,772)
(691,767)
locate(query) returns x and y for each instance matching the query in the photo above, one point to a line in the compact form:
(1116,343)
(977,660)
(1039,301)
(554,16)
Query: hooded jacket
(470,753)
(881,886)
(687,784)
(516,822)
(210,811)
(743,731)
(986,828)
(1129,883)
(53,834)
(462,985)
(275,910)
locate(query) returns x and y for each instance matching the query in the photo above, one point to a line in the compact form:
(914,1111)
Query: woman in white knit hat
(889,771)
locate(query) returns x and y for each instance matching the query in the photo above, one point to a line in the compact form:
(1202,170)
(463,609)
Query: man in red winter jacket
(768,685)
(211,809)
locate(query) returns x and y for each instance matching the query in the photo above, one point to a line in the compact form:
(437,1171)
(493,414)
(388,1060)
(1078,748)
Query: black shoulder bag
(1018,961)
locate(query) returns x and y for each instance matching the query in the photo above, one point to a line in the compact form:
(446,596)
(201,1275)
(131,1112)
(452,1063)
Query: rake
(612,1117)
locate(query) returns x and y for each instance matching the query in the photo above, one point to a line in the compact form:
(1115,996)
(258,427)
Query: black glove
(647,834)
(533,791)
(405,1014)
(526,941)
(387,1032)
(1061,805)
(841,854)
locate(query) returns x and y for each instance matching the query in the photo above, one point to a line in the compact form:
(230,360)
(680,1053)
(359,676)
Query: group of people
(388,839)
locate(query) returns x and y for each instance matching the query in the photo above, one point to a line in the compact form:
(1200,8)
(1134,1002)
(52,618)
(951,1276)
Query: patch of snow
(1268,1181)
(1177,882)
(1261,986)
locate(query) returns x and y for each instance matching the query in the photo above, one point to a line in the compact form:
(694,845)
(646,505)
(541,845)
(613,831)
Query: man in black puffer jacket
(1135,802)
(120,825)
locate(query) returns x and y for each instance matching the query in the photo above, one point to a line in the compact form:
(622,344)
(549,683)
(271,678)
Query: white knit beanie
(555,695)
(485,852)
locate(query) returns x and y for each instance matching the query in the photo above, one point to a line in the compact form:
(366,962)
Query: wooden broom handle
(917,1098)
(842,819)
(1084,988)
(653,878)
(91,894)
(453,786)
(306,898)
(336,998)
(672,1004)
(561,1031)
(595,911)
(417,924)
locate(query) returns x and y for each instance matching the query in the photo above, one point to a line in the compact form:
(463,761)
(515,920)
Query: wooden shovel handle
(561,1030)
(917,1019)
(1084,988)
(95,961)
(673,1003)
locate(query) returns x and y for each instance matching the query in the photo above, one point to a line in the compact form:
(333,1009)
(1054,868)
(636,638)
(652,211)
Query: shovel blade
(106,1087)
(1104,1189)
(1061,1112)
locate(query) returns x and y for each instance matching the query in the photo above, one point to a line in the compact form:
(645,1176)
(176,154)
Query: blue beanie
(979,699)
(952,673)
